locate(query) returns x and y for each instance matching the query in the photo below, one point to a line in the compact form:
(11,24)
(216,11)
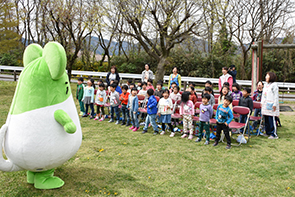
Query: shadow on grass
(83,181)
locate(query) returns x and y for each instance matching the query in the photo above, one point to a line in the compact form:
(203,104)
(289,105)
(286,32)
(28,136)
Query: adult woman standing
(147,74)
(270,105)
(113,75)
(175,77)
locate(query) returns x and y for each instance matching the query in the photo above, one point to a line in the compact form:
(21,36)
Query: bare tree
(250,20)
(159,25)
(71,23)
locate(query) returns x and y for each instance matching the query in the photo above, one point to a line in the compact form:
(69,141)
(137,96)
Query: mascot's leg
(30,177)
(46,180)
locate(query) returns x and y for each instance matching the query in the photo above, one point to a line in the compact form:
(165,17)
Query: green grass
(112,160)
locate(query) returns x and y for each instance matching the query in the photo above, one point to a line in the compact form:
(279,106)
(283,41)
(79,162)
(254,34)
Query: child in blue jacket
(224,116)
(151,112)
(132,106)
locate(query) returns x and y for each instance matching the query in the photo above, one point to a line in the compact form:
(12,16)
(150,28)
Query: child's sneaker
(111,120)
(184,135)
(190,137)
(156,132)
(102,119)
(131,128)
(85,115)
(91,117)
(81,113)
(273,137)
(96,118)
(172,134)
(206,143)
(215,144)
(117,122)
(162,133)
(135,129)
(198,140)
(228,147)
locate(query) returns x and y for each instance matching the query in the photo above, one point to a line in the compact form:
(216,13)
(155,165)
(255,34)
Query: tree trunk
(242,67)
(160,70)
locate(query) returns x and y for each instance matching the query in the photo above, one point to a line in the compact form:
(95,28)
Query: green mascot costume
(42,130)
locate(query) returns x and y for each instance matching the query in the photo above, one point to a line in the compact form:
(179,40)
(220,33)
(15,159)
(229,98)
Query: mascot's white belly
(35,141)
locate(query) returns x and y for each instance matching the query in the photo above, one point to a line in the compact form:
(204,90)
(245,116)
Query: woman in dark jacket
(113,75)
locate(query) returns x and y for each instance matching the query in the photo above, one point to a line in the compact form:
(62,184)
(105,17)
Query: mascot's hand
(70,127)
(64,119)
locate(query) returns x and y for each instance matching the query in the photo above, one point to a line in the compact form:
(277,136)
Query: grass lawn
(114,161)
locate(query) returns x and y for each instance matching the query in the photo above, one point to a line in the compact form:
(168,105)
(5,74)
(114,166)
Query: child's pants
(100,107)
(116,109)
(125,112)
(151,118)
(270,125)
(170,127)
(91,107)
(204,125)
(81,103)
(257,112)
(134,119)
(188,121)
(243,119)
(219,127)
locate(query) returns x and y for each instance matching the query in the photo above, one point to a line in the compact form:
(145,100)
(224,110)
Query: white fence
(282,85)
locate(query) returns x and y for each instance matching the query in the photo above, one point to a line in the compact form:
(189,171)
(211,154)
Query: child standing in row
(208,90)
(223,93)
(237,94)
(193,96)
(245,101)
(150,84)
(164,111)
(257,98)
(175,95)
(187,112)
(132,106)
(143,91)
(206,113)
(159,91)
(100,101)
(79,95)
(151,112)
(224,116)
(114,101)
(124,101)
(88,98)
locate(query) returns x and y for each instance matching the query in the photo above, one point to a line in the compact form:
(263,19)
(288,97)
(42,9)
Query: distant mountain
(114,47)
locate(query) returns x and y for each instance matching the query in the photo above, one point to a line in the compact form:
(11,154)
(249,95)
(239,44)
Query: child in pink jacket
(187,111)
(225,77)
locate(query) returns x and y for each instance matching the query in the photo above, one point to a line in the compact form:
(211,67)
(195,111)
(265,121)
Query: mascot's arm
(64,119)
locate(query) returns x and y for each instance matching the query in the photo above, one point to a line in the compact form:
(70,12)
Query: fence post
(14,73)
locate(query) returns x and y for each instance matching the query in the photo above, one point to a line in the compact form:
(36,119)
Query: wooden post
(254,69)
(260,59)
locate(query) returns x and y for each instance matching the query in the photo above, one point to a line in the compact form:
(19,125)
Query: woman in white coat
(270,105)
(147,74)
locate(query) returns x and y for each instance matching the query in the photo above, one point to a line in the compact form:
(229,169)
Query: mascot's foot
(46,180)
(30,177)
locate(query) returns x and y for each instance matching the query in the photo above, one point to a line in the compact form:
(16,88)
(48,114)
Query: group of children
(160,104)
